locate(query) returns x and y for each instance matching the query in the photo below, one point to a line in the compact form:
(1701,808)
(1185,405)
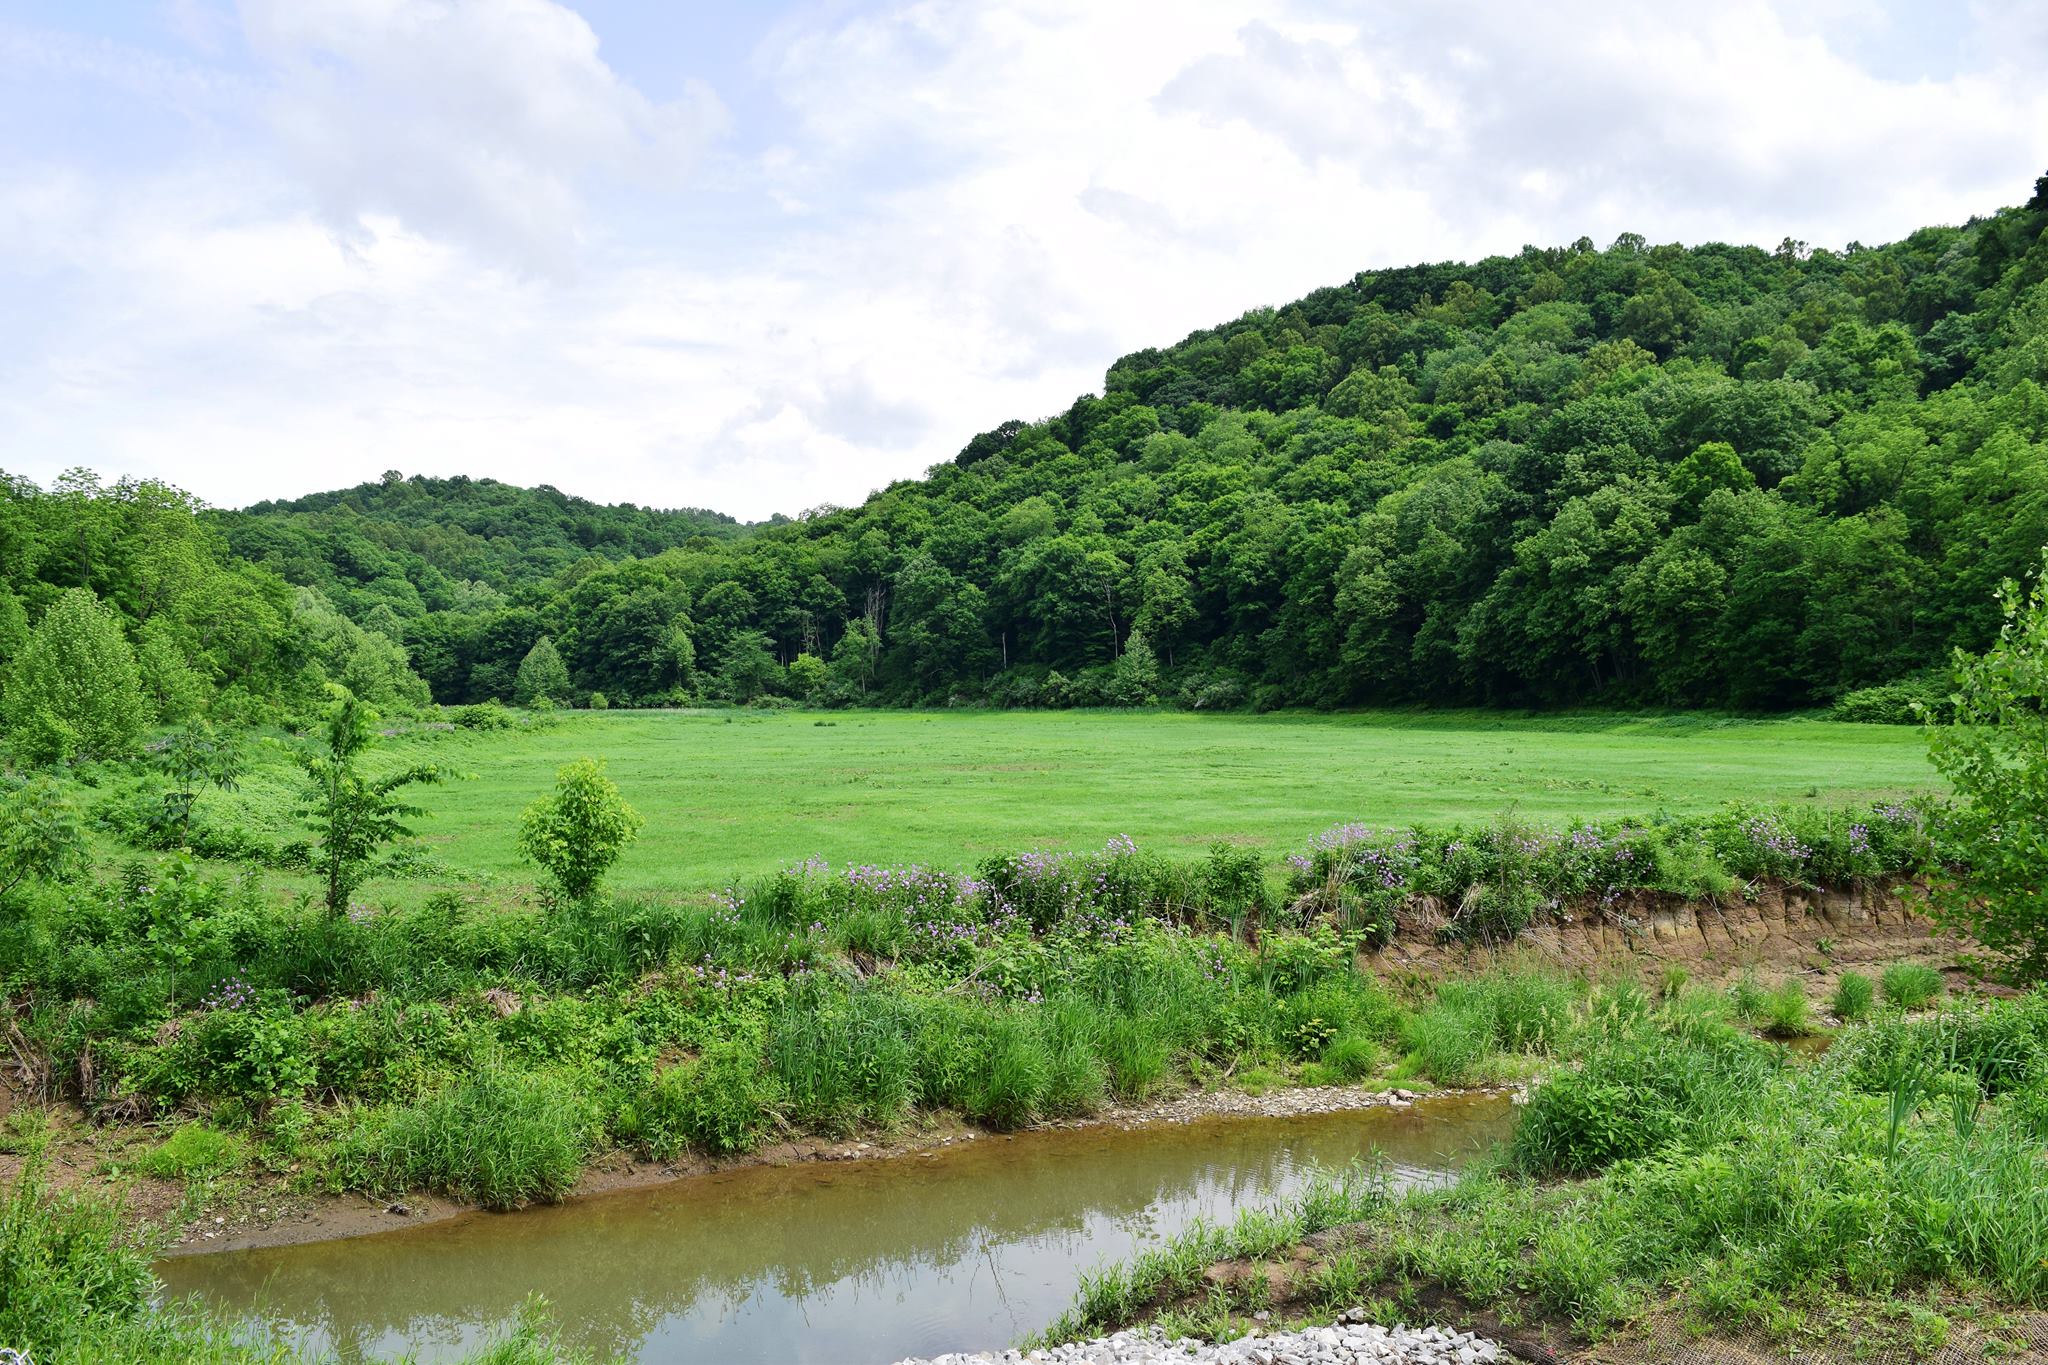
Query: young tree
(576,834)
(169,684)
(40,839)
(197,757)
(351,814)
(748,668)
(1137,672)
(1994,753)
(541,674)
(853,659)
(806,675)
(74,691)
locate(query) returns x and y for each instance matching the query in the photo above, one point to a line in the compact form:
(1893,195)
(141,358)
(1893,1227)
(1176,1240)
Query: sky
(761,257)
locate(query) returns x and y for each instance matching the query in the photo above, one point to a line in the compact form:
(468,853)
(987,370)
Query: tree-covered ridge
(423,545)
(1714,475)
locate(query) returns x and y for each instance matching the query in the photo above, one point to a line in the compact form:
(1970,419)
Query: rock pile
(1347,1343)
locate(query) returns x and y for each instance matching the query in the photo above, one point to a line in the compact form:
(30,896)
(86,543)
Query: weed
(500,1138)
(193,1150)
(1909,985)
(1853,997)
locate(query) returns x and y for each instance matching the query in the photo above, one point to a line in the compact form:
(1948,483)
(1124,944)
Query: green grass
(194,1149)
(1853,996)
(730,794)
(1910,985)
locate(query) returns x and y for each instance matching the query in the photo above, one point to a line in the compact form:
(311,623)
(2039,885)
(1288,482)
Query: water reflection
(965,1249)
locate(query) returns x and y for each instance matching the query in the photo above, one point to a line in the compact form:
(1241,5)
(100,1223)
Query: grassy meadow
(730,794)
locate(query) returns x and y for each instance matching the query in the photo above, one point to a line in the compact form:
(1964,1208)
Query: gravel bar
(1343,1344)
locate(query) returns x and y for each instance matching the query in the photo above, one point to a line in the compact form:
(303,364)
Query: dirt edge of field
(1772,928)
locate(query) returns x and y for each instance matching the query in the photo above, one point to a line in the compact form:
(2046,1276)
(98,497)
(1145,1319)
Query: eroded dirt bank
(1774,929)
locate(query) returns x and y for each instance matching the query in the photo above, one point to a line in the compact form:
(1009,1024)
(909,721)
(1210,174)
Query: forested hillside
(1715,476)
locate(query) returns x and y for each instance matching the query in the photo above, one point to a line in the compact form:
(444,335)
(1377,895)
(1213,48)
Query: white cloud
(969,213)
(473,121)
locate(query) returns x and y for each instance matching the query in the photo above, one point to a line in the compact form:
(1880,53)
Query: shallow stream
(841,1263)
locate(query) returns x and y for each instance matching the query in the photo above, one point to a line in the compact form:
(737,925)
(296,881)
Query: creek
(968,1247)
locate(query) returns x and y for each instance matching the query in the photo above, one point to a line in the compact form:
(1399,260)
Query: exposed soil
(1774,929)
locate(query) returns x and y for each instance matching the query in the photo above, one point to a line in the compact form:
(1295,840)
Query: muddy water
(850,1262)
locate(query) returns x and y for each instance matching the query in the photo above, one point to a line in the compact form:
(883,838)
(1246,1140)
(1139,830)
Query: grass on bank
(1718,1183)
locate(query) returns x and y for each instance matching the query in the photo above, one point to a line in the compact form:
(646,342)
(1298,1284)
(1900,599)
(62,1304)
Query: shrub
(579,832)
(1853,996)
(491,714)
(1914,700)
(1909,985)
(500,1138)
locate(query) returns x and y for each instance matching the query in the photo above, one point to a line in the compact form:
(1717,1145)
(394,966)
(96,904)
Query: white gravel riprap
(1343,1344)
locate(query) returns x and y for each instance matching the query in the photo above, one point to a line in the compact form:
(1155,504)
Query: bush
(1910,985)
(1913,700)
(483,715)
(1853,996)
(579,832)
(500,1139)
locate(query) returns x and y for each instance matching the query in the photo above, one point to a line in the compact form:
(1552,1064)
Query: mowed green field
(732,794)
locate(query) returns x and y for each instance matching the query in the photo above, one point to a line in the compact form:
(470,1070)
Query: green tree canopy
(74,690)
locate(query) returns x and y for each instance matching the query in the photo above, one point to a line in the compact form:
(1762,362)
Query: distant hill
(424,544)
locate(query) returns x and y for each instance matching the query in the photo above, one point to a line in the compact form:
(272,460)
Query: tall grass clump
(1639,1093)
(1910,985)
(721,1102)
(1854,995)
(1460,1038)
(501,1138)
(1786,1012)
(843,1056)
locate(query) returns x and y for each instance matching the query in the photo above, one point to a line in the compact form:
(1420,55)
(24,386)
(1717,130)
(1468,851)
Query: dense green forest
(1716,476)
